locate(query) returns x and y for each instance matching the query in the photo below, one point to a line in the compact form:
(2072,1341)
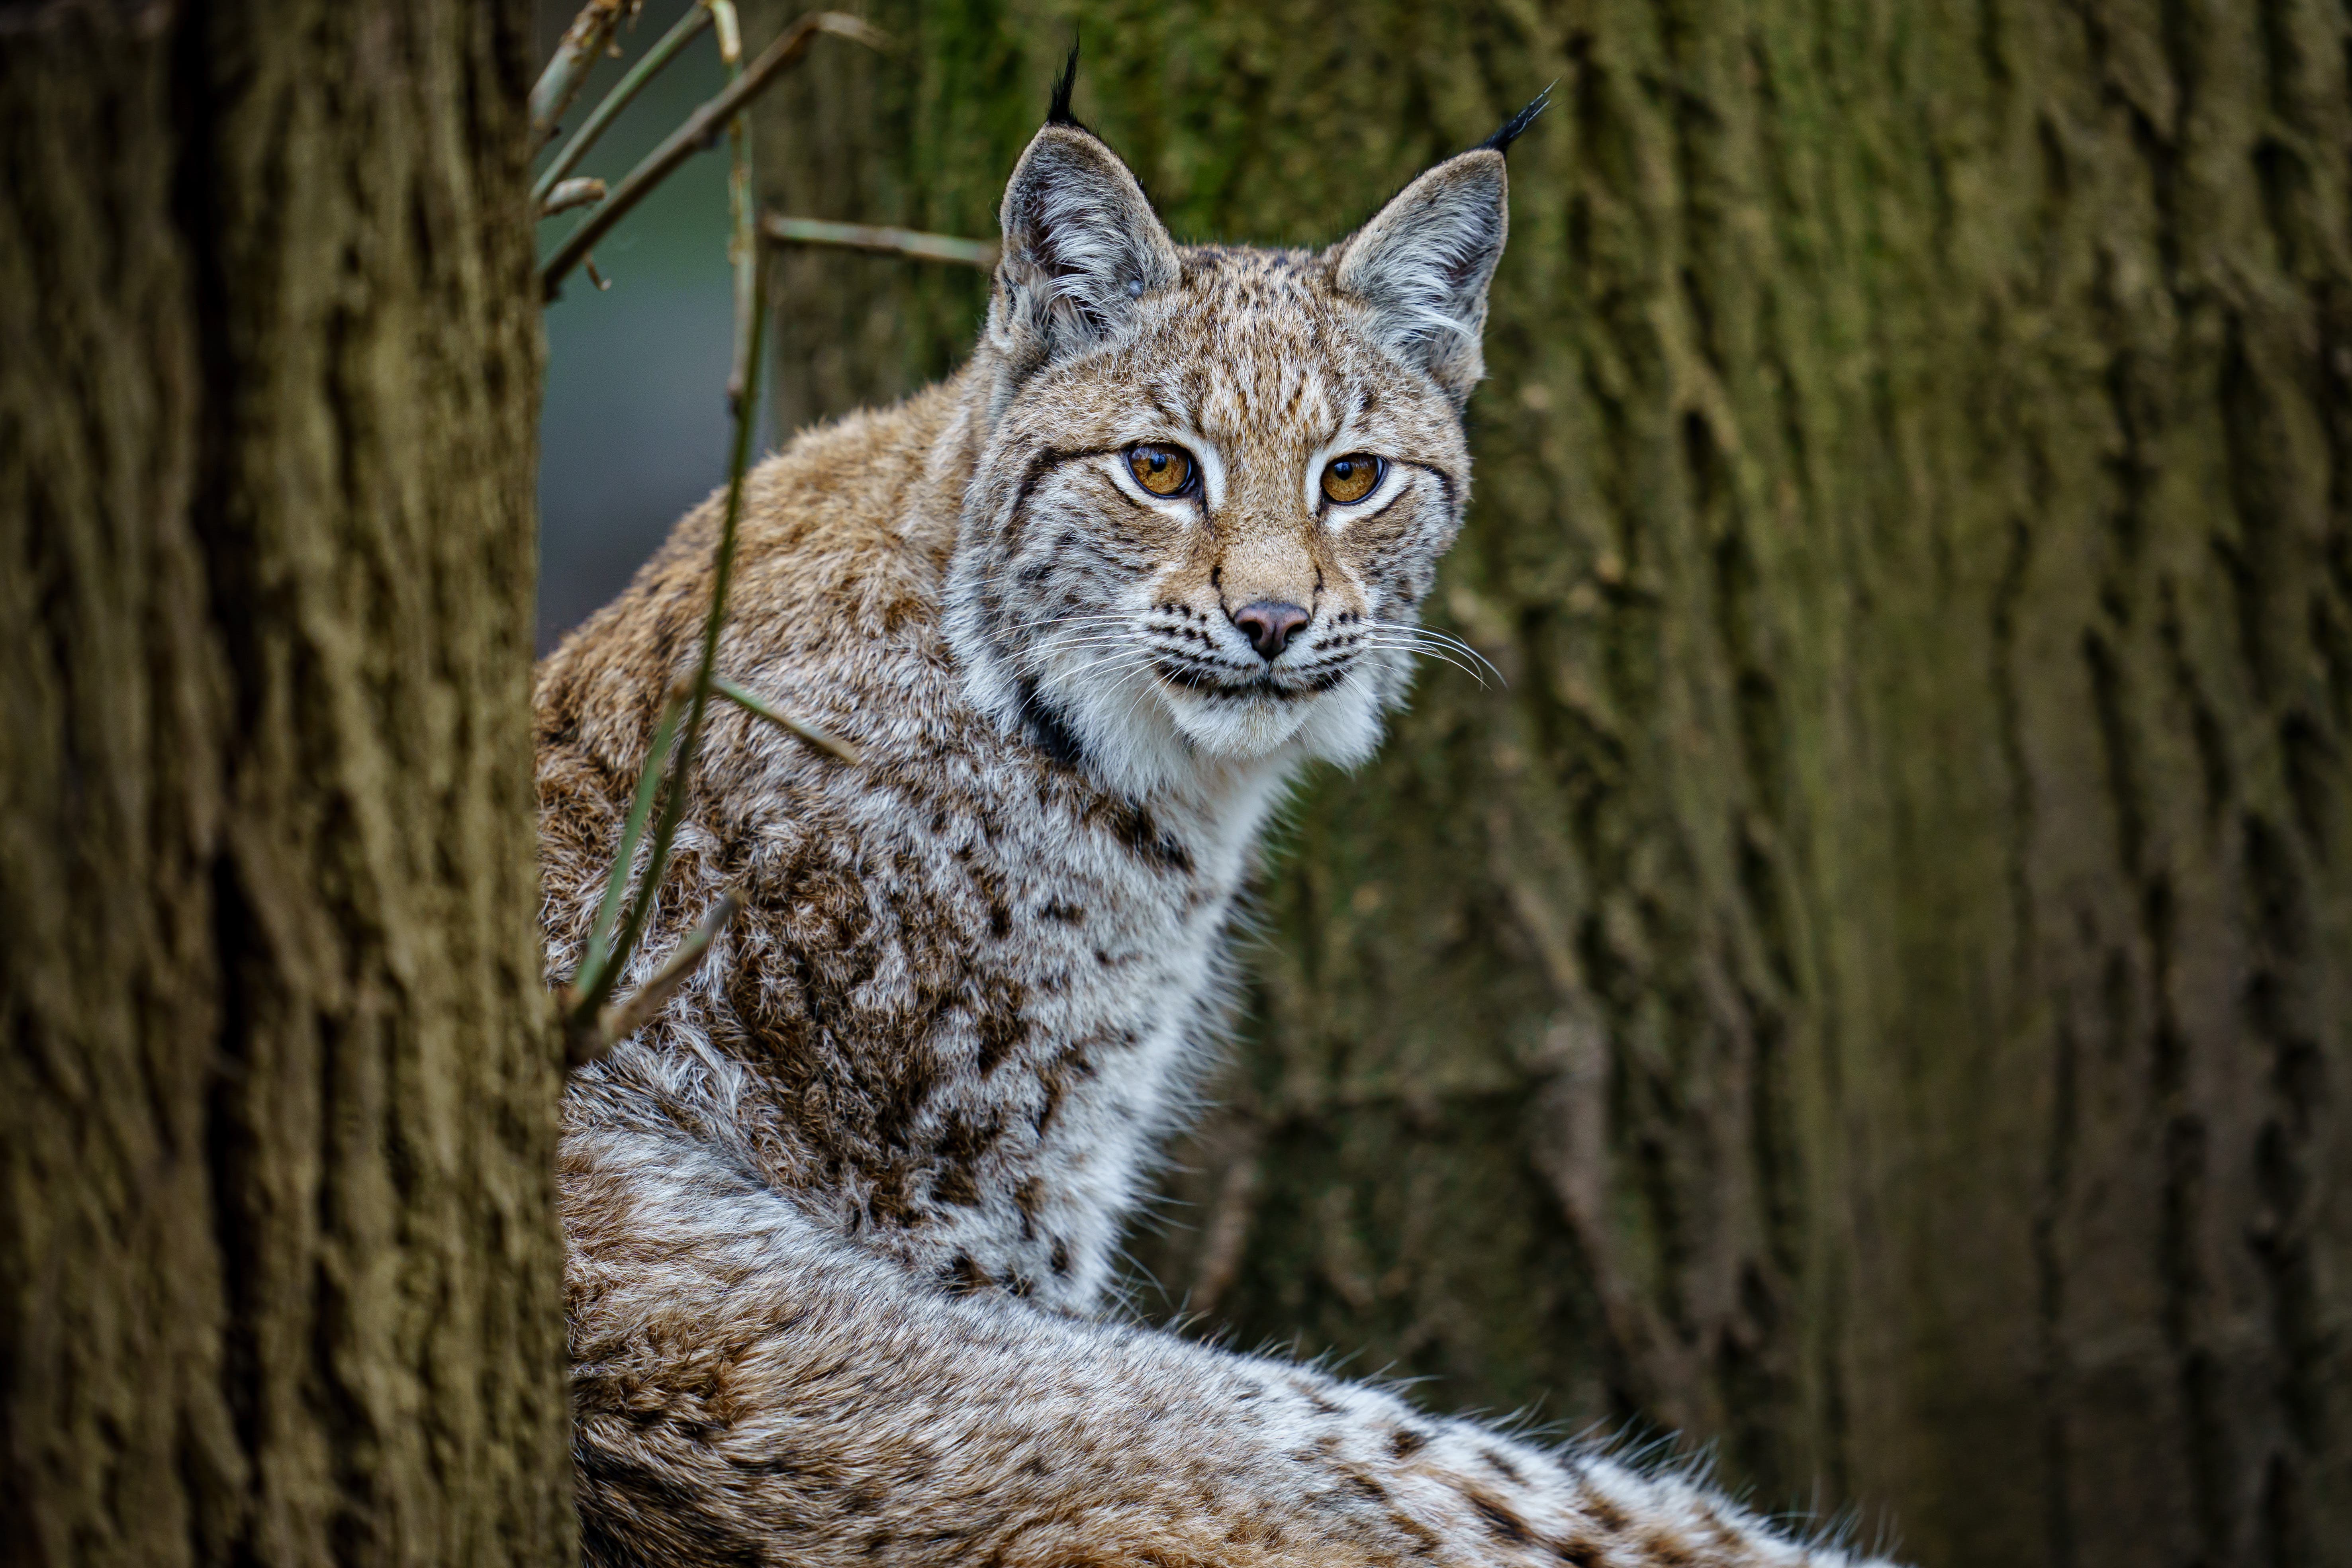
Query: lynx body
(841,1218)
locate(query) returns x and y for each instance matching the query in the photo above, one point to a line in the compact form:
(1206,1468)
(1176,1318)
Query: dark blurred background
(1869,992)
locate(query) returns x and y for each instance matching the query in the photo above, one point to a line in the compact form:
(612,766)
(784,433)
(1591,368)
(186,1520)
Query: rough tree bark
(279,1274)
(1871,991)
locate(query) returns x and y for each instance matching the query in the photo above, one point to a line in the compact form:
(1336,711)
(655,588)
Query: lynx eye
(1163,470)
(1350,478)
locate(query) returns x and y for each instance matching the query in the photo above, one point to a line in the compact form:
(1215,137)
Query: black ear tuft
(1058,111)
(1081,245)
(1501,142)
(1421,269)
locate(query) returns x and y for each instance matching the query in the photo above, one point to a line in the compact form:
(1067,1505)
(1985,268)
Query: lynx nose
(1269,624)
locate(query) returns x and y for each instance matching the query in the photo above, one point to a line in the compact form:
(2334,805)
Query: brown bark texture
(1871,989)
(279,1271)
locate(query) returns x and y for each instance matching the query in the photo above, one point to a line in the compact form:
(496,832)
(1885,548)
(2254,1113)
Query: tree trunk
(1870,991)
(279,1270)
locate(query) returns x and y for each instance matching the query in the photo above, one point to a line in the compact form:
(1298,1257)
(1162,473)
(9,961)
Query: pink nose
(1269,624)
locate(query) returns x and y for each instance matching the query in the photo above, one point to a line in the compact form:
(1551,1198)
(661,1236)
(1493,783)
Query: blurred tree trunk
(1872,991)
(280,1272)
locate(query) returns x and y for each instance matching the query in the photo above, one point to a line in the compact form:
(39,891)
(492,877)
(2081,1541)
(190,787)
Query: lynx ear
(1081,245)
(1424,262)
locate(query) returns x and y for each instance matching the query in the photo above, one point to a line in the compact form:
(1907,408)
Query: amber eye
(1350,478)
(1163,470)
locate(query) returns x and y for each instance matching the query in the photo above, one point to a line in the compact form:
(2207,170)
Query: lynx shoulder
(842,1219)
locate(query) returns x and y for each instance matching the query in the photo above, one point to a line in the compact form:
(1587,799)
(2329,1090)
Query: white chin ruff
(1240,730)
(1340,726)
(1140,743)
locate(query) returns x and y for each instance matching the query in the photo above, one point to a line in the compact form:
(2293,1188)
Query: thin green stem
(907,242)
(625,1018)
(760,708)
(664,51)
(641,809)
(743,244)
(591,994)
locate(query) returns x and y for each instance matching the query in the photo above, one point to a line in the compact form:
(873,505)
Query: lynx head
(1213,484)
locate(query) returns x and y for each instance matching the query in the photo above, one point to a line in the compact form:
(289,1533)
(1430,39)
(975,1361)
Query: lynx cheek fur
(840,1219)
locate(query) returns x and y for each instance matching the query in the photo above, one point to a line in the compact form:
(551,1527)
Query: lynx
(842,1221)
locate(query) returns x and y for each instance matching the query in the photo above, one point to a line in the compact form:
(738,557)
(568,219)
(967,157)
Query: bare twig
(583,45)
(617,1023)
(907,242)
(699,129)
(588,265)
(664,51)
(730,33)
(565,194)
(758,707)
(595,989)
(625,855)
(743,241)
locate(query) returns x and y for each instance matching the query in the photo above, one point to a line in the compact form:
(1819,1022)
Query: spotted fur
(841,1220)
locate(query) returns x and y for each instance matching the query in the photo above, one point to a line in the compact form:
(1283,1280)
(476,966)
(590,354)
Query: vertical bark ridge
(280,1260)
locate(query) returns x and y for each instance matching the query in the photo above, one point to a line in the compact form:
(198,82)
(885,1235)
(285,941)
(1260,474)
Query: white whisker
(1428,651)
(1448,638)
(1070,621)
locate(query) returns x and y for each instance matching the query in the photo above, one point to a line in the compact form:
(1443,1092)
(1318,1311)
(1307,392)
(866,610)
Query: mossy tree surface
(279,1268)
(1871,989)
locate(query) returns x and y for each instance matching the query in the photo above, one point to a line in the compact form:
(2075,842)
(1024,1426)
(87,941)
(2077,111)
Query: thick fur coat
(842,1219)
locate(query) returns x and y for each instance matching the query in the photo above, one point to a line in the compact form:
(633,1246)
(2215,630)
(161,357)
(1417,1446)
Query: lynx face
(1216,481)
